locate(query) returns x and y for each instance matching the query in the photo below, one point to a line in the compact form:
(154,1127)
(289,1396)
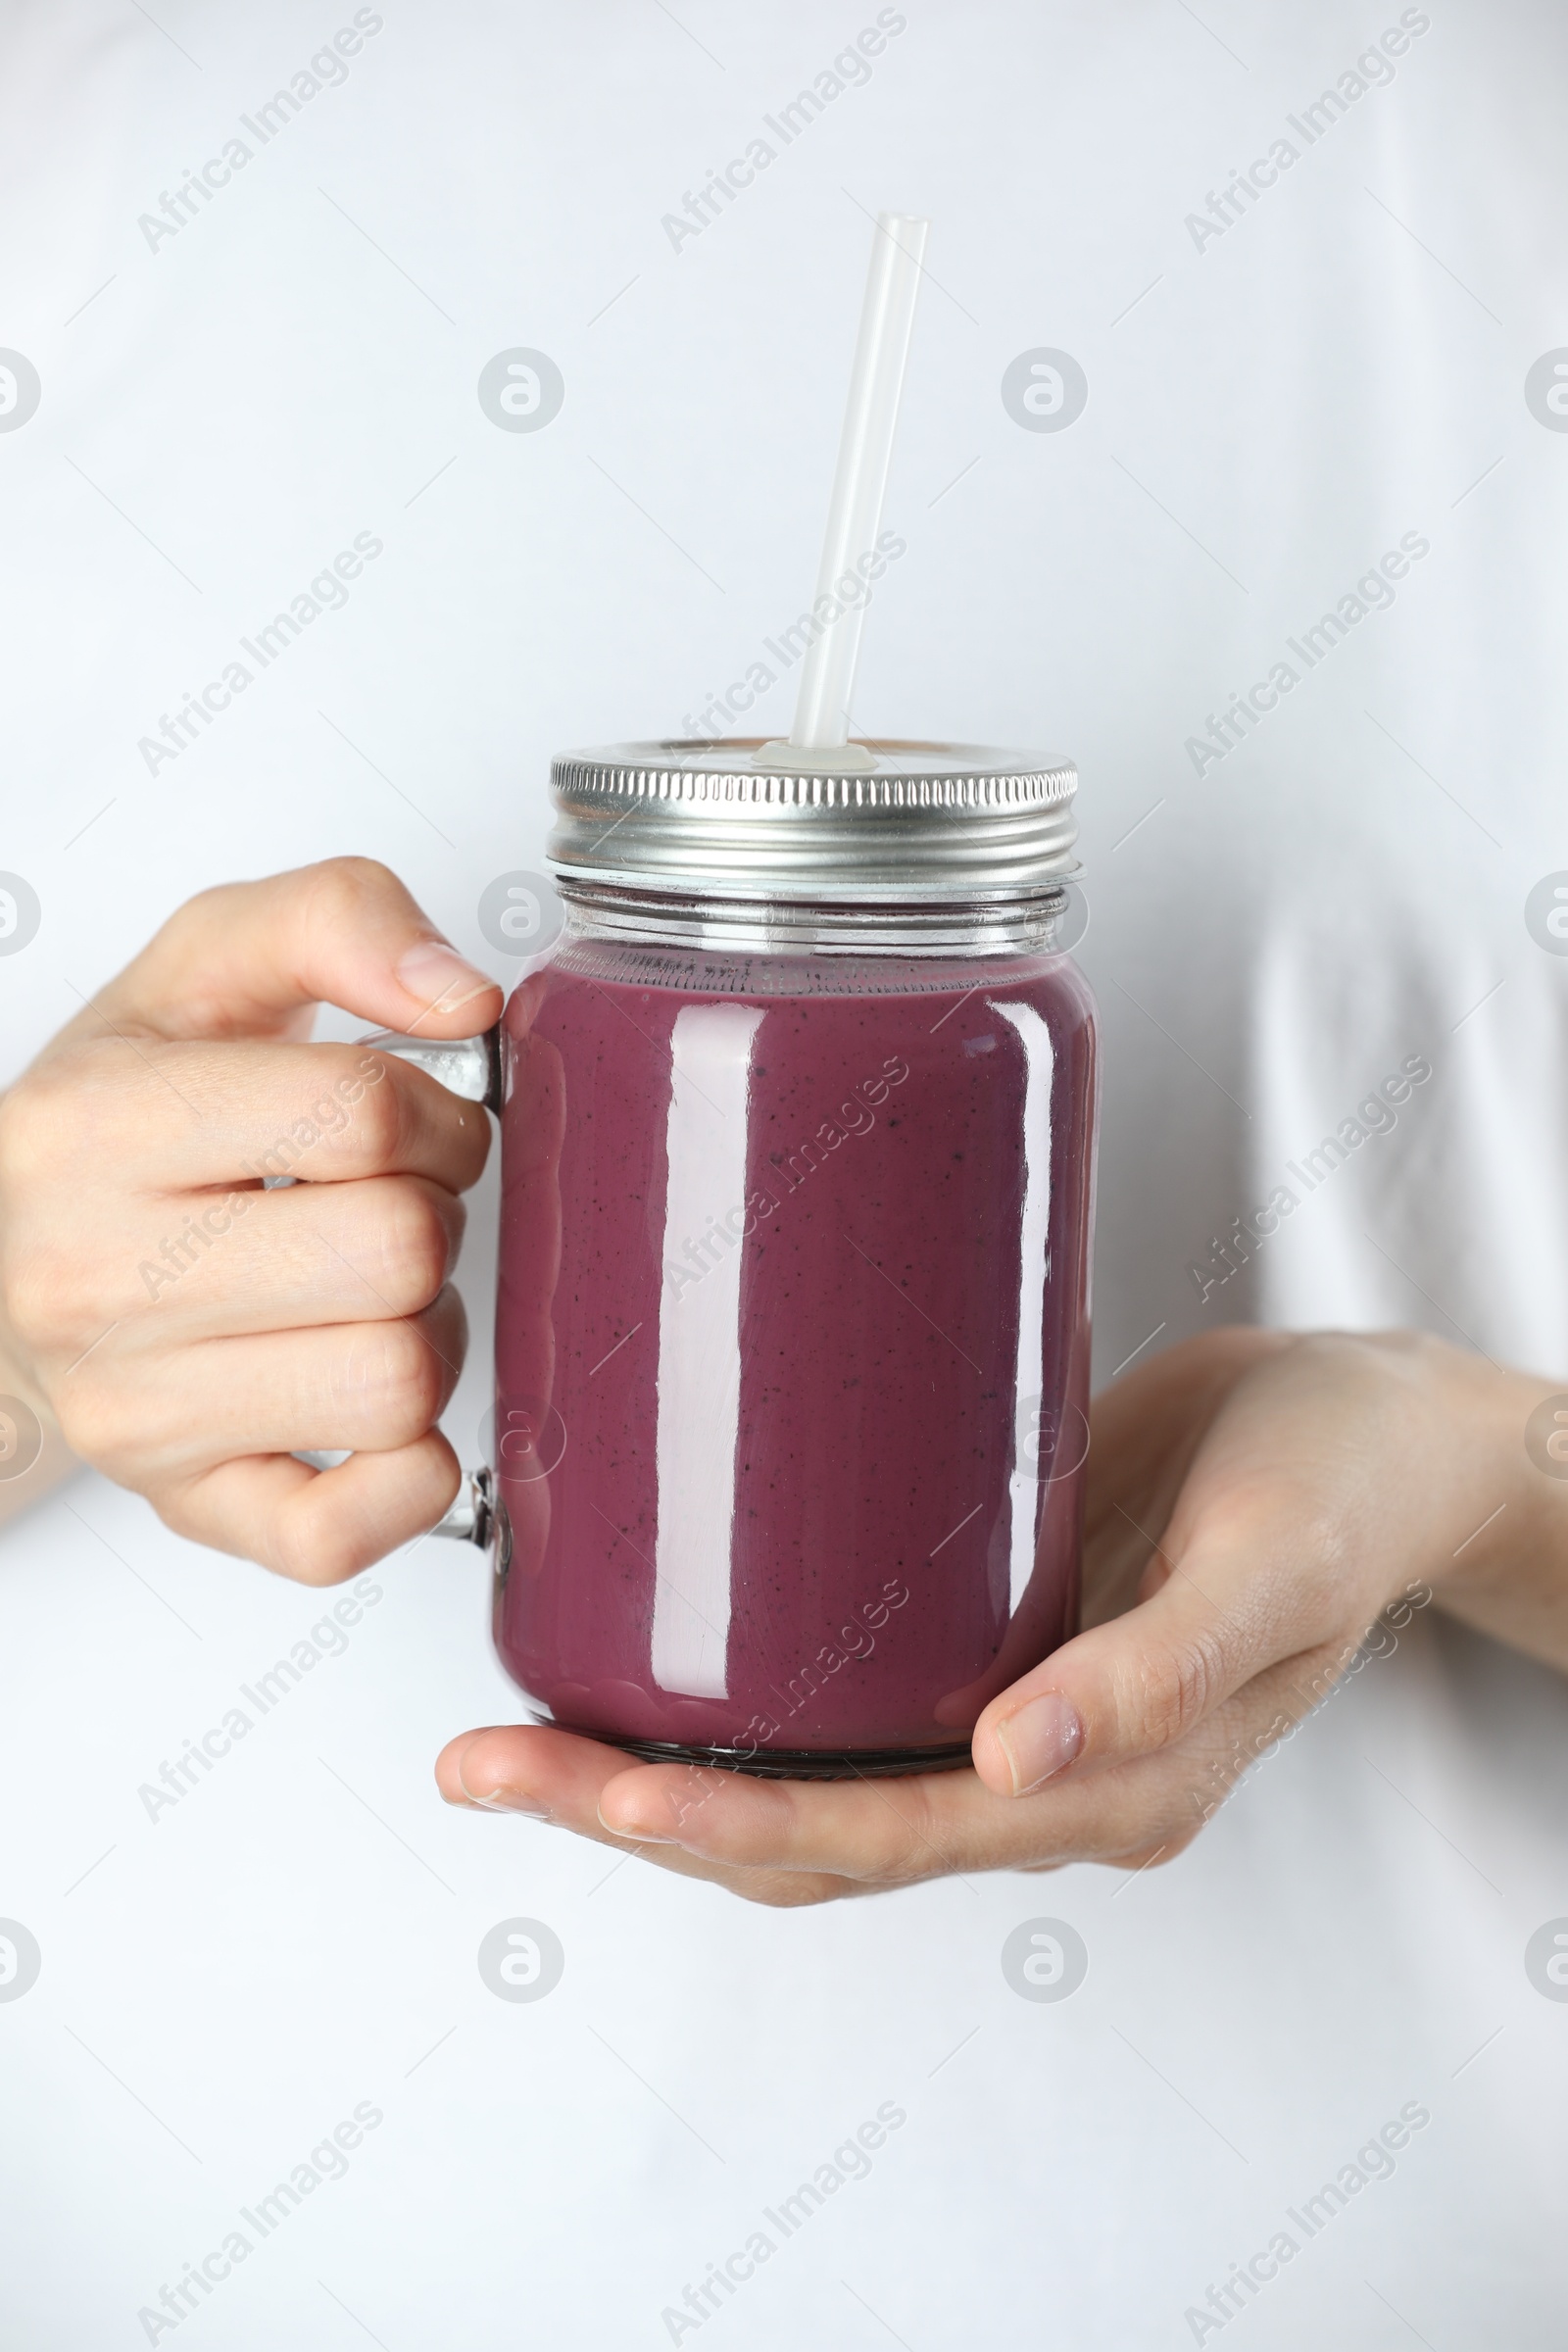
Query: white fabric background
(1339,892)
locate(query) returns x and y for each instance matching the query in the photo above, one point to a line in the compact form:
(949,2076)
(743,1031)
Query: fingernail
(1041,1739)
(504,1801)
(637,1837)
(441,978)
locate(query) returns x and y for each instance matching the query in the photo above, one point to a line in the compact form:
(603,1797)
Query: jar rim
(924,824)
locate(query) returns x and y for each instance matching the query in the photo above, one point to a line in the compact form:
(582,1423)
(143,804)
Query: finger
(876,1835)
(1146,1430)
(889,1833)
(178,1116)
(559,1778)
(246,958)
(800,1842)
(1231,1605)
(151,1419)
(318,1527)
(792,1842)
(291,1260)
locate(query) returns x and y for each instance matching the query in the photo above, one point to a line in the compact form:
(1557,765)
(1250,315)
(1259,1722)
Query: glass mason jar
(792,1347)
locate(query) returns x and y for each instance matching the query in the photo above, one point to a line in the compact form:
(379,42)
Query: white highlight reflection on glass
(698,1345)
(1024,1486)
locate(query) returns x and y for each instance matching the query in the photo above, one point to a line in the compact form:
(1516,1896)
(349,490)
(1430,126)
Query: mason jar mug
(792,1343)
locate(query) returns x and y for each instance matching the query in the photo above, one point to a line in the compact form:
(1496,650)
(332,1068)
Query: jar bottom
(785,1763)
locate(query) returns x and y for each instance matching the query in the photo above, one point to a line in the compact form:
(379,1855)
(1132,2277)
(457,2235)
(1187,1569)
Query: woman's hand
(188,1331)
(1256,1501)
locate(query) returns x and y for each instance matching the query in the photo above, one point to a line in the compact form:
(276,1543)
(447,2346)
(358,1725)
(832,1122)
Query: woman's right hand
(1255,1500)
(191,1332)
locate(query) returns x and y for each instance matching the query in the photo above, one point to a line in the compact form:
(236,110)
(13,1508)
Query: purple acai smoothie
(793,1346)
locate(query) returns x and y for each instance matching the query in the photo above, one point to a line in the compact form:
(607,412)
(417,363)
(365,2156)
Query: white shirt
(1275,406)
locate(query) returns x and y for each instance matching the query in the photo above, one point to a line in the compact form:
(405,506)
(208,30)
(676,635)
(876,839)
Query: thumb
(1144,1679)
(243,960)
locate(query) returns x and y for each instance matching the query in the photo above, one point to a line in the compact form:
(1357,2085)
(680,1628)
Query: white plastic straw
(865,451)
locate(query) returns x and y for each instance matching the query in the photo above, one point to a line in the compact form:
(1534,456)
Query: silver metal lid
(917,824)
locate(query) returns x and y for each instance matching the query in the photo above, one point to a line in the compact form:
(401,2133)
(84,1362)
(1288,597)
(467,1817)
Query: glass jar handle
(473,1517)
(469,1066)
